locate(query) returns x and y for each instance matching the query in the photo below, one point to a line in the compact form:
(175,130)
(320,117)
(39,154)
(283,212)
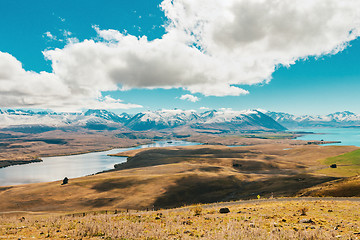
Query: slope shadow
(111,184)
(195,189)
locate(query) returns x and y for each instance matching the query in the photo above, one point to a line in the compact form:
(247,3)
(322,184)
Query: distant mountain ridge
(162,119)
(224,119)
(148,120)
(337,119)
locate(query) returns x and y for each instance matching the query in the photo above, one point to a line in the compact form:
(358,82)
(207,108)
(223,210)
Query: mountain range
(225,119)
(337,119)
(148,120)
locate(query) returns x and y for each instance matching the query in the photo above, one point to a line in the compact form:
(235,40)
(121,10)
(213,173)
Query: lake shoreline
(72,165)
(9,163)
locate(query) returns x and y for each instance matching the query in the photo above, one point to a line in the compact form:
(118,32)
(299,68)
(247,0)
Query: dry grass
(348,187)
(173,177)
(259,220)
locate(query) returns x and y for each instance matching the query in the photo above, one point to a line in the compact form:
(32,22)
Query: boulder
(306,221)
(65,181)
(224,210)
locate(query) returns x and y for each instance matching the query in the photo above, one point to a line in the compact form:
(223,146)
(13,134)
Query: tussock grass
(348,187)
(259,220)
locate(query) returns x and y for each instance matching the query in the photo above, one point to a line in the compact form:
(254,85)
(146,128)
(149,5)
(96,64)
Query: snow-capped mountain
(338,119)
(20,117)
(227,116)
(235,120)
(223,119)
(149,120)
(104,114)
(162,119)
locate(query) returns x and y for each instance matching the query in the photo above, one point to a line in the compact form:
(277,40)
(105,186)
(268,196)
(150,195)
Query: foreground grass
(257,220)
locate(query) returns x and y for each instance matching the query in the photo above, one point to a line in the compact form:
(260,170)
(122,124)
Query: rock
(157,218)
(224,210)
(330,210)
(306,221)
(187,222)
(65,181)
(333,166)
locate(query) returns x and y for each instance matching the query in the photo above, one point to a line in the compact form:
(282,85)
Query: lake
(56,168)
(347,136)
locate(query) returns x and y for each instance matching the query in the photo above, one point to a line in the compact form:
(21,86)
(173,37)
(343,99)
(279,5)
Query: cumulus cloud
(189,97)
(20,88)
(210,47)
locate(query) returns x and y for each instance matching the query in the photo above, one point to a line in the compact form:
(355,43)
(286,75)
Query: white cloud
(66,33)
(210,47)
(20,88)
(50,36)
(238,43)
(189,97)
(204,108)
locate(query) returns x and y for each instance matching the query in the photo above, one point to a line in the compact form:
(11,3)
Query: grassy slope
(246,220)
(348,187)
(348,165)
(173,177)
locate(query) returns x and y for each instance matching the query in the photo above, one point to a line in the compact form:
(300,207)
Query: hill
(176,176)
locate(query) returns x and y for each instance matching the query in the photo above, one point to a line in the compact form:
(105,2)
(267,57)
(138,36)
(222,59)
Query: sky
(295,56)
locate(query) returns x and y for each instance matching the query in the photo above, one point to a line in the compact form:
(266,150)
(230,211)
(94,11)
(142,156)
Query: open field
(177,176)
(347,165)
(270,219)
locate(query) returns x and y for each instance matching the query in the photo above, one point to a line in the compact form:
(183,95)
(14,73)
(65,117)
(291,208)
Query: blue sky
(314,85)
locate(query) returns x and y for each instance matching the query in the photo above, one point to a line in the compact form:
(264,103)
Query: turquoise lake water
(347,136)
(56,168)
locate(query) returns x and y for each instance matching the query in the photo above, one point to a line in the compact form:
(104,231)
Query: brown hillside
(177,176)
